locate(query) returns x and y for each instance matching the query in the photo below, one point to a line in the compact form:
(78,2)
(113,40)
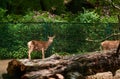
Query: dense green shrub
(40,16)
(75,37)
(70,38)
(2,14)
(87,17)
(37,25)
(3,53)
(107,19)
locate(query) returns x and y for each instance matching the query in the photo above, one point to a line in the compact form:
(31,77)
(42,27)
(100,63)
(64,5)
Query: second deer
(35,45)
(110,44)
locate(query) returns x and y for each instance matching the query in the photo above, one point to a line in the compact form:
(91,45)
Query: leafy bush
(3,53)
(38,16)
(20,53)
(2,14)
(70,37)
(111,19)
(87,17)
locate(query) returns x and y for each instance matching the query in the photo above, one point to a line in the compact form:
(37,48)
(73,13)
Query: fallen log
(57,67)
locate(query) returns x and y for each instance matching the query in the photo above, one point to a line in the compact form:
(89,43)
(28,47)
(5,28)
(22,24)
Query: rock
(74,75)
(117,74)
(104,75)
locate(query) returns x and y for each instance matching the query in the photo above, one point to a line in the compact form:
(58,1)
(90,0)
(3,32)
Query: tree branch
(114,34)
(113,4)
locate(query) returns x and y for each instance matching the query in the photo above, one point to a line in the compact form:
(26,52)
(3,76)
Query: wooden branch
(113,4)
(57,66)
(114,34)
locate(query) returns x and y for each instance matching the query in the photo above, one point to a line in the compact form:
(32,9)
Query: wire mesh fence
(70,37)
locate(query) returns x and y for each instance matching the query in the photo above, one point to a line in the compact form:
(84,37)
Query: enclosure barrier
(70,37)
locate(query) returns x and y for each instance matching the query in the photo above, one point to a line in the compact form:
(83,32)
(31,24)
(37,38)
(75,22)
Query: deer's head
(51,38)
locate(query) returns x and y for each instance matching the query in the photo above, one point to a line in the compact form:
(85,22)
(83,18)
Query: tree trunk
(57,67)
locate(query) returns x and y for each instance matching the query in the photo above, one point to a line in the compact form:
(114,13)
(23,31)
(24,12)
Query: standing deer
(35,45)
(108,45)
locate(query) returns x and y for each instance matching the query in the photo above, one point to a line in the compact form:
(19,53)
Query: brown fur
(35,45)
(108,45)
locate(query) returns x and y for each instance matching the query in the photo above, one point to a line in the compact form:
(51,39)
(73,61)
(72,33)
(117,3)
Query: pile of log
(61,67)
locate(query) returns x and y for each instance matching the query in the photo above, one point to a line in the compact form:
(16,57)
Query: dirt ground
(3,67)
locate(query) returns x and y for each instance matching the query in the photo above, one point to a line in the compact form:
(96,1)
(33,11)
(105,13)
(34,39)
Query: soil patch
(3,67)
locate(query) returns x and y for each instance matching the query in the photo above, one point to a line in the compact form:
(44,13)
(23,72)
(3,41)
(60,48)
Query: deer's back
(107,45)
(37,45)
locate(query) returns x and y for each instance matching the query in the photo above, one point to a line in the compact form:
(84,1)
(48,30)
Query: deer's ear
(48,36)
(54,36)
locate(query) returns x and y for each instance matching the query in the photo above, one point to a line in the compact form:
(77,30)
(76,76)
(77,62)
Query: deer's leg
(29,53)
(43,53)
(29,56)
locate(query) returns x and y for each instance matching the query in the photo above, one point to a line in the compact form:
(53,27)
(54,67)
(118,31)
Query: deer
(38,45)
(110,44)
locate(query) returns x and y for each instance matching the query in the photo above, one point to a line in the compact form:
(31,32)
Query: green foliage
(36,55)
(13,18)
(87,17)
(75,38)
(28,17)
(3,53)
(70,37)
(112,19)
(2,14)
(20,53)
(46,17)
(21,6)
(14,38)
